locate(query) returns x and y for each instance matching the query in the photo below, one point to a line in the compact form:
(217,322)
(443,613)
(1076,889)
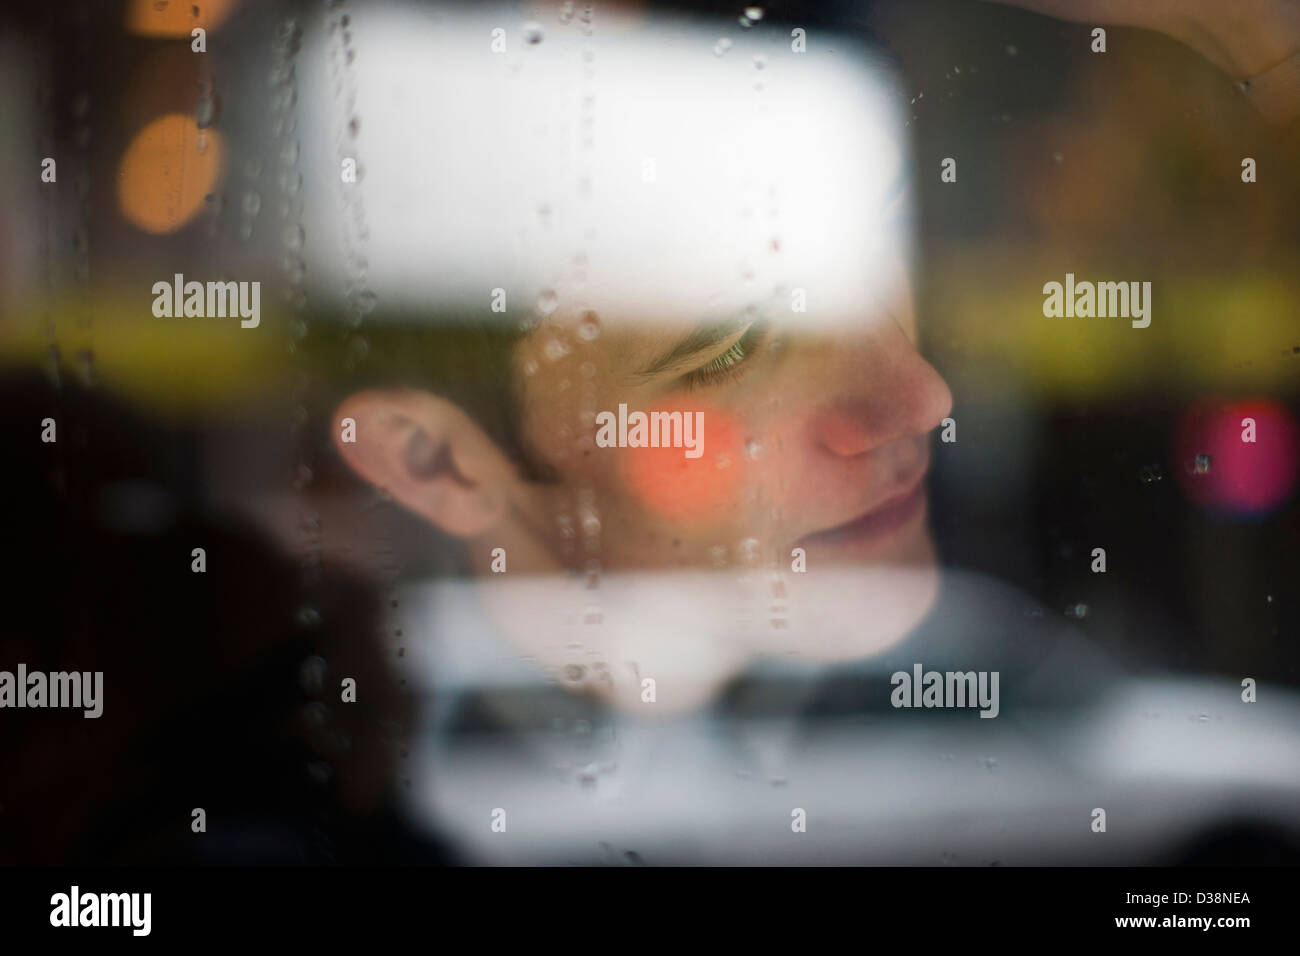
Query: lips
(881,521)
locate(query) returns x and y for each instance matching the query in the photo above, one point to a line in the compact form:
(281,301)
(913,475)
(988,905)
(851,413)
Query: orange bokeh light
(166,172)
(174,18)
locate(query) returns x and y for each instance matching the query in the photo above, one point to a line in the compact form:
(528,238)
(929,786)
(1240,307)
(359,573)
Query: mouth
(878,524)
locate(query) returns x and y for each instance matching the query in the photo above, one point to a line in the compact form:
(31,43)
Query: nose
(884,393)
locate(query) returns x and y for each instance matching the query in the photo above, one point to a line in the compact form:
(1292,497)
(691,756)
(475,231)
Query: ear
(430,456)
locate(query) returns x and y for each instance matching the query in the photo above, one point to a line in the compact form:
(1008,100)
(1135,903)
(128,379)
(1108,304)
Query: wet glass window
(615,433)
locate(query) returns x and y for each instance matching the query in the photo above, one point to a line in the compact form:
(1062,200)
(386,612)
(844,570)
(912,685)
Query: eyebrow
(704,337)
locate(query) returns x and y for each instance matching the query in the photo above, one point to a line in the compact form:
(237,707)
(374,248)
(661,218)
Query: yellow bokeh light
(170,166)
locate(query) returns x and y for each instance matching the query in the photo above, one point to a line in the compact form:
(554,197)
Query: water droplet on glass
(547,301)
(1077,611)
(289,153)
(311,674)
(290,34)
(566,11)
(574,672)
(721,47)
(753,449)
(533,33)
(293,236)
(530,367)
(354,126)
(753,14)
(1150,474)
(760,61)
(363,300)
(205,113)
(295,270)
(1011,49)
(589,327)
(252,204)
(1058,158)
(308,616)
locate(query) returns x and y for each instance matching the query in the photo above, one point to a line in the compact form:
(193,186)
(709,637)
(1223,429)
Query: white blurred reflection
(636,148)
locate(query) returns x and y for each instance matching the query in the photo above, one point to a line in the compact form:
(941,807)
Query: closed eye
(727,366)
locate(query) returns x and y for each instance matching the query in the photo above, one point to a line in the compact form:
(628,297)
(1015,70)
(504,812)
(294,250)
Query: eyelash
(727,366)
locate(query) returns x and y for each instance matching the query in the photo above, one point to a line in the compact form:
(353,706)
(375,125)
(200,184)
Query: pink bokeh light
(1220,471)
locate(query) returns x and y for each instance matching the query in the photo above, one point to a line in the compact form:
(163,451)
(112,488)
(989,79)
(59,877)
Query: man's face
(799,528)
(812,439)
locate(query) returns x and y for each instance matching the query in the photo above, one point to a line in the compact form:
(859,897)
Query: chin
(849,609)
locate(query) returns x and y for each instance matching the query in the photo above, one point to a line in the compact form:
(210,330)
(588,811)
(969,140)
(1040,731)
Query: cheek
(683,489)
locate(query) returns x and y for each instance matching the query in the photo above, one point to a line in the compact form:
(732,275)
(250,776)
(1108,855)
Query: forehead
(634,172)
